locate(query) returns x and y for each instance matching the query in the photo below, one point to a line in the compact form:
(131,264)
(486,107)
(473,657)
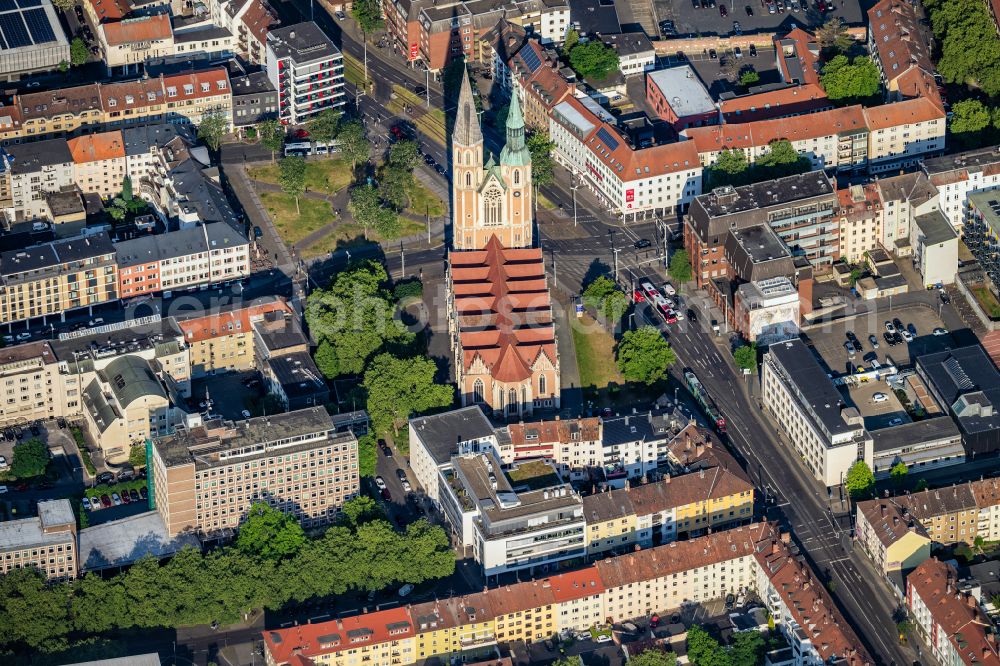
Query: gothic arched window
(468,180)
(517,177)
(493,205)
(477,391)
(512,401)
(541,385)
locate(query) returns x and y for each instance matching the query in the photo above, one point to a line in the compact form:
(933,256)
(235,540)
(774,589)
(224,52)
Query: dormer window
(112,101)
(221,85)
(129,99)
(205,87)
(188,89)
(171,91)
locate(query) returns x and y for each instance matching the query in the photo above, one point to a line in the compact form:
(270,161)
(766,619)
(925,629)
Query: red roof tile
(907,111)
(110,10)
(258,19)
(97,147)
(131,31)
(195,85)
(337,635)
(228,323)
(762,132)
(781,103)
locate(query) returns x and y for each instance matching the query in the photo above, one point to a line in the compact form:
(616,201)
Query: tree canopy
(401,387)
(680,266)
(270,534)
(368,14)
(324,125)
(970,118)
(746,357)
(213,128)
(542,162)
(353,143)
(604,296)
(367,455)
(78,52)
(643,355)
(832,36)
(859,482)
(969,44)
(850,82)
(272,135)
(899,473)
(781,159)
(594,60)
(652,657)
(292,177)
(704,650)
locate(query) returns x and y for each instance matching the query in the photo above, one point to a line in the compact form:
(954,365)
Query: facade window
(541,385)
(477,391)
(493,205)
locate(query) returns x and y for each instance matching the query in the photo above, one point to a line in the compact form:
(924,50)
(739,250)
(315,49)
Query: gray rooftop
(131,378)
(628,43)
(200,194)
(28,532)
(201,35)
(216,442)
(297,373)
(141,140)
(683,90)
(970,160)
(442,433)
(101,411)
(729,200)
(987,203)
(914,434)
(251,84)
(55,254)
(810,379)
(302,42)
(32,156)
(966,371)
(279,330)
(760,243)
(595,17)
(121,542)
(935,227)
(174,244)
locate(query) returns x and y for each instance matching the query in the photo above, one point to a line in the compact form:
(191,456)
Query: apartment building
(678,97)
(146,148)
(281,350)
(206,475)
(254,99)
(30,381)
(898,44)
(31,170)
(306,69)
(903,133)
(130,42)
(614,589)
(508,530)
(987,493)
(800,209)
(633,182)
(46,542)
(54,278)
(798,394)
(903,197)
(675,507)
(128,103)
(859,211)
(891,536)
(536,80)
(797,57)
(795,100)
(948,618)
(99,164)
(249,21)
(635,52)
(193,95)
(59,112)
(224,341)
(957,176)
(182,259)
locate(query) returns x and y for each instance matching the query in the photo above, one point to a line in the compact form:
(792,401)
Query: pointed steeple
(514,152)
(467,131)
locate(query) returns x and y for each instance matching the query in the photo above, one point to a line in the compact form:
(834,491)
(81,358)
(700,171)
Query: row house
(192,96)
(538,83)
(614,589)
(891,537)
(249,21)
(182,259)
(859,212)
(632,182)
(959,175)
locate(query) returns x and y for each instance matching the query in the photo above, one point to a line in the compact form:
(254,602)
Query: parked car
(96,321)
(940,331)
(889,327)
(95,503)
(749,10)
(105,477)
(723,11)
(3,490)
(340,15)
(753,51)
(258,232)
(874,341)
(406,589)
(849,347)
(380,483)
(386,495)
(125,498)
(106,501)
(133,495)
(713,54)
(912,329)
(880,397)
(116,499)
(21,337)
(909,337)
(245,413)
(738,52)
(3,462)
(737,28)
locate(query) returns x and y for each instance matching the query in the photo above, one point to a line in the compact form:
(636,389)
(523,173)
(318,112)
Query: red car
(105,501)
(301,134)
(671,317)
(385,494)
(637,296)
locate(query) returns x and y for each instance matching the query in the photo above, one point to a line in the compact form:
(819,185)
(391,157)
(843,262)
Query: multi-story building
(193,95)
(892,537)
(679,97)
(859,210)
(129,43)
(31,170)
(949,515)
(898,44)
(948,618)
(248,21)
(224,341)
(828,435)
(615,589)
(635,52)
(206,475)
(795,100)
(254,99)
(59,112)
(46,542)
(675,507)
(934,244)
(99,165)
(128,103)
(903,133)
(959,175)
(903,198)
(800,209)
(54,278)
(767,311)
(535,79)
(987,493)
(797,57)
(29,375)
(306,69)
(144,148)
(42,49)
(633,182)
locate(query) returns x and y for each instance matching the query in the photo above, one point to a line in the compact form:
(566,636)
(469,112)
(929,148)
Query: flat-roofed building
(46,542)
(31,170)
(767,311)
(828,435)
(39,48)
(959,175)
(920,445)
(679,97)
(306,69)
(935,248)
(29,377)
(207,474)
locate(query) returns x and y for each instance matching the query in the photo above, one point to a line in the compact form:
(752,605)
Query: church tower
(489,199)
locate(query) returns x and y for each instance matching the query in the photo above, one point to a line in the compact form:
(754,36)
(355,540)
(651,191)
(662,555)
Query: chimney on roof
(786,537)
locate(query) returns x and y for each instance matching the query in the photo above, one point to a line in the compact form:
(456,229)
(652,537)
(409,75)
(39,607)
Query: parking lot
(229,393)
(710,21)
(888,412)
(829,339)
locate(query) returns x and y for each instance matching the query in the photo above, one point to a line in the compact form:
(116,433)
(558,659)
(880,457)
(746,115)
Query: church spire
(467,131)
(515,153)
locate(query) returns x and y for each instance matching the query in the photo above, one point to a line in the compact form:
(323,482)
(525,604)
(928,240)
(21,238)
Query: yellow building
(611,521)
(54,278)
(60,112)
(893,538)
(29,381)
(455,625)
(99,163)
(224,342)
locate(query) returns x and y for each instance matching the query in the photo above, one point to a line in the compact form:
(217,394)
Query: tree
(398,388)
(353,142)
(703,650)
(730,70)
(126,194)
(749,76)
(898,474)
(272,135)
(270,534)
(780,160)
(394,185)
(323,127)
(680,266)
(747,648)
(368,14)
(969,45)
(730,168)
(653,657)
(568,661)
(904,627)
(63,66)
(31,458)
(542,163)
(78,52)
(833,36)
(388,224)
(404,155)
(920,486)
(570,43)
(859,482)
(361,510)
(213,128)
(970,118)
(365,206)
(137,455)
(326,359)
(604,296)
(746,357)
(292,178)
(644,356)
(367,455)
(594,60)
(850,82)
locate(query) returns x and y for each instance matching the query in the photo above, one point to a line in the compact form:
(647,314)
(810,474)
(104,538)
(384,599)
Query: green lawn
(323,176)
(595,355)
(544,202)
(534,474)
(350,234)
(354,71)
(423,201)
(293,227)
(988,301)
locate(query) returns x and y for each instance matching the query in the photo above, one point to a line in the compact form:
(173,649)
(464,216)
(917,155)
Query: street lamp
(574,187)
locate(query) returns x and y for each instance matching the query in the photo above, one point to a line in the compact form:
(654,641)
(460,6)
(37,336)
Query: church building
(500,312)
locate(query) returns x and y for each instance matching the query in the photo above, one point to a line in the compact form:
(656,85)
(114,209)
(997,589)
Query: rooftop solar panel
(530,58)
(29,3)
(7,6)
(14,31)
(38,24)
(604,135)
